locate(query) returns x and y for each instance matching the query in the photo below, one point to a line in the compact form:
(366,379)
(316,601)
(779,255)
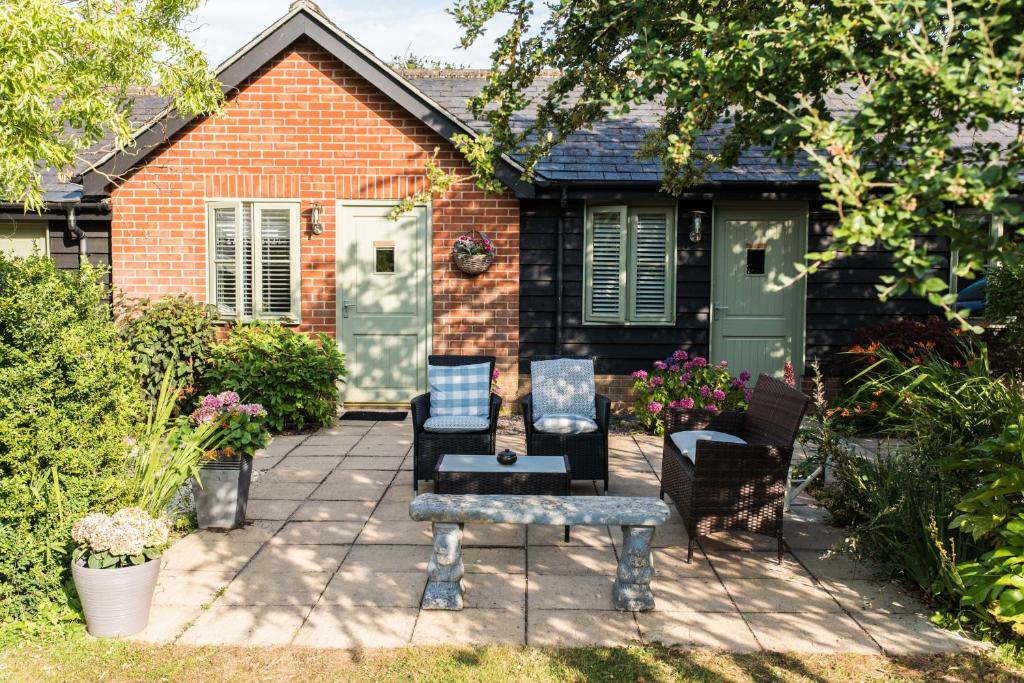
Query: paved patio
(331,559)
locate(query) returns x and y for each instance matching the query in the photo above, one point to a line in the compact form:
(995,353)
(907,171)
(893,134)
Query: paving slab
(572,560)
(580,628)
(333,511)
(779,595)
(379,532)
(357,627)
(245,625)
(710,631)
(479,560)
(307,533)
(495,591)
(470,627)
(392,558)
(280,491)
(195,553)
(260,587)
(271,509)
(292,475)
(369,588)
(255,531)
(908,634)
(166,623)
(366,462)
(866,595)
(560,592)
(292,558)
(340,442)
(189,588)
(812,633)
(297,461)
(757,565)
(328,451)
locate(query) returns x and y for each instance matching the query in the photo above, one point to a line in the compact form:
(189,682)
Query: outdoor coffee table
(539,475)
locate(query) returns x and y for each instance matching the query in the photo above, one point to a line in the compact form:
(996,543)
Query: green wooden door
(383,301)
(757,313)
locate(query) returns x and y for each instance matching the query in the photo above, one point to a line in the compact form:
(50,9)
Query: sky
(386,27)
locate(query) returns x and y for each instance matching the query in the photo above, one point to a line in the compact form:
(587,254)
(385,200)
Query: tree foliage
(70,69)
(920,84)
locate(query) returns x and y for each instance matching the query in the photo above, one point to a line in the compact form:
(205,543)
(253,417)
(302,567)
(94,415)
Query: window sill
(629,323)
(286,322)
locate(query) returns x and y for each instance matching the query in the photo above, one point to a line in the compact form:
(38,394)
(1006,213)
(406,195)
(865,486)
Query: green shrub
(68,402)
(174,333)
(292,376)
(1005,306)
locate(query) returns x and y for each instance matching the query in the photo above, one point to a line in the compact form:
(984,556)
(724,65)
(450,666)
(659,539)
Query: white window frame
(629,316)
(294,316)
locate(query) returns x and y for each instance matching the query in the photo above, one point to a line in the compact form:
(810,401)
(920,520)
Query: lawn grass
(74,657)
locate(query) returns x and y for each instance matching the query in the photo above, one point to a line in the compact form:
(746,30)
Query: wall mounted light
(697,225)
(316,225)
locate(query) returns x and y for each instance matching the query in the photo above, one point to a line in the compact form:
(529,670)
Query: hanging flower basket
(473,252)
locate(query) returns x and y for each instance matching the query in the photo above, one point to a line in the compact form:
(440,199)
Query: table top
(534,464)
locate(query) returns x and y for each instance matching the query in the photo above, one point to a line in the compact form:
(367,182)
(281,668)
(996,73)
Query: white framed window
(629,265)
(24,238)
(253,253)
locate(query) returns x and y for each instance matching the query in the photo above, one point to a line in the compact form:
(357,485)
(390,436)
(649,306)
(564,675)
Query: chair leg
(606,484)
(780,550)
(689,551)
(415,482)
(661,493)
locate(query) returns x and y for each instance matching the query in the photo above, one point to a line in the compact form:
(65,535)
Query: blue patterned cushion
(686,441)
(563,387)
(456,424)
(565,424)
(459,389)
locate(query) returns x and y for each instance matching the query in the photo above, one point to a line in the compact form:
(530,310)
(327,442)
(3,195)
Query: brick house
(277,209)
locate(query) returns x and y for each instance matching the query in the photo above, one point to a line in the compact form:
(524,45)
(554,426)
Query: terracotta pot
(116,602)
(222,498)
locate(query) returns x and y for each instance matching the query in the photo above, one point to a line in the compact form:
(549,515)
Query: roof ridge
(455,73)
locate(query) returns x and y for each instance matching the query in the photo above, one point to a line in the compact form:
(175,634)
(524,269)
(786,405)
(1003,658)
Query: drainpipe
(77,232)
(559,266)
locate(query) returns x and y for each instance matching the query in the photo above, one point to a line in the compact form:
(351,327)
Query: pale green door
(383,301)
(757,311)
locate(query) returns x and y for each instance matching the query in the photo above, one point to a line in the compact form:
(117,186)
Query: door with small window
(383,301)
(757,311)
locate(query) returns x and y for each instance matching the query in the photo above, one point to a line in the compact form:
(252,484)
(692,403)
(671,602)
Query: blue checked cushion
(565,424)
(564,386)
(686,441)
(459,389)
(456,424)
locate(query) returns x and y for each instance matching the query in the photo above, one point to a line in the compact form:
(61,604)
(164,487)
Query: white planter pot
(116,601)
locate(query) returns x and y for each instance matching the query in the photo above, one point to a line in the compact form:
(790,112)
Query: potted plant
(683,383)
(115,568)
(222,489)
(473,252)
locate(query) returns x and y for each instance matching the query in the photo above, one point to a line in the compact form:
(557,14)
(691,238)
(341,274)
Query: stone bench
(448,513)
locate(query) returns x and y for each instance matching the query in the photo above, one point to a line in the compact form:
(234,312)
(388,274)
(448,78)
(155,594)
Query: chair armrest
(420,411)
(688,419)
(495,410)
(763,463)
(603,410)
(527,403)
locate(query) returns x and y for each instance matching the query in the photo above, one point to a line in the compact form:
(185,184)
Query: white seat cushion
(686,442)
(456,424)
(565,424)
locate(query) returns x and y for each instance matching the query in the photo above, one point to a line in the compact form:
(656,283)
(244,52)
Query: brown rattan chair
(735,487)
(428,447)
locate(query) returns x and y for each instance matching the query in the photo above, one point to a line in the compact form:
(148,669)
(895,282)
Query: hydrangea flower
(679,354)
(660,365)
(654,407)
(744,377)
(640,374)
(686,402)
(700,362)
(718,395)
(705,392)
(711,407)
(673,368)
(657,381)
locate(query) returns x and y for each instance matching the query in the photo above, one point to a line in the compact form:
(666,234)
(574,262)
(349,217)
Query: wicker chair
(428,447)
(588,453)
(735,487)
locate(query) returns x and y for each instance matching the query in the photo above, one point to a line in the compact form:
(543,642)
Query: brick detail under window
(307,127)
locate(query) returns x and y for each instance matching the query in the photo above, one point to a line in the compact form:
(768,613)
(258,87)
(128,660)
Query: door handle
(345,305)
(717,310)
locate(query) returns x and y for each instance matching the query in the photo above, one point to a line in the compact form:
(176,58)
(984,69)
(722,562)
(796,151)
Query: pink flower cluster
(472,245)
(218,406)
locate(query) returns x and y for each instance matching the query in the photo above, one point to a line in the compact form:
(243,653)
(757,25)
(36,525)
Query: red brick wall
(307,127)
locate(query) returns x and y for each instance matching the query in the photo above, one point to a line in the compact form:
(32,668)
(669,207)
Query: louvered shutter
(224,233)
(275,262)
(605,265)
(652,261)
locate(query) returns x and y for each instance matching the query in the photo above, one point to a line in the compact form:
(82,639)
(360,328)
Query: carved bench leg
(445,569)
(632,589)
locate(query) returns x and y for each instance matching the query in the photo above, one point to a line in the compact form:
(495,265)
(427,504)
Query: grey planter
(222,498)
(116,601)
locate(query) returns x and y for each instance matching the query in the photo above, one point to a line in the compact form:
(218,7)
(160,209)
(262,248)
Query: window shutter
(605,265)
(275,262)
(224,266)
(245,262)
(651,265)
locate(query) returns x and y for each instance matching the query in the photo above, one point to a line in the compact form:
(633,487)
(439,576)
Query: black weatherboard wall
(841,297)
(619,349)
